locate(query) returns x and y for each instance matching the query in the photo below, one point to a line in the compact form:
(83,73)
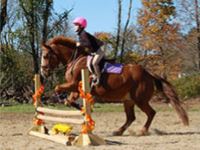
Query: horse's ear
(44,45)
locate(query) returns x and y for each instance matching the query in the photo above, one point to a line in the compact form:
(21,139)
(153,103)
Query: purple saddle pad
(113,68)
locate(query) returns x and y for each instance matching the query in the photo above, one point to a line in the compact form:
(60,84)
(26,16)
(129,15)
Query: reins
(70,62)
(73,56)
(73,59)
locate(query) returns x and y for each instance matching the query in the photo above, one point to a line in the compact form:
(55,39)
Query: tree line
(165,39)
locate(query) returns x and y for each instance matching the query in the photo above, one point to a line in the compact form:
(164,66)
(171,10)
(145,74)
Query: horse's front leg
(68,86)
(71,100)
(73,95)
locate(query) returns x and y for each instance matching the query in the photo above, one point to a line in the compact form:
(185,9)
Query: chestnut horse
(134,86)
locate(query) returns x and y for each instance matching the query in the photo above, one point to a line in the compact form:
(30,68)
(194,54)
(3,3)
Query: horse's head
(59,49)
(49,60)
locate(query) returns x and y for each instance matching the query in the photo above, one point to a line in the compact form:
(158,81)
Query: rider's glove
(78,44)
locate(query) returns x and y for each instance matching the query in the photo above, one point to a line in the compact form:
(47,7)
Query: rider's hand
(78,44)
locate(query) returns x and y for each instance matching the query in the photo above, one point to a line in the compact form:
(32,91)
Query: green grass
(23,108)
(108,107)
(28,108)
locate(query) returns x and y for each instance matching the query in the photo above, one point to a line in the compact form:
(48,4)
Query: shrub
(188,87)
(15,76)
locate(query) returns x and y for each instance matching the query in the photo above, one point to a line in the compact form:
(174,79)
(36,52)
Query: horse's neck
(66,55)
(75,54)
(80,63)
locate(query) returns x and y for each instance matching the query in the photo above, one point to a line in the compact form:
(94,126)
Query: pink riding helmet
(80,21)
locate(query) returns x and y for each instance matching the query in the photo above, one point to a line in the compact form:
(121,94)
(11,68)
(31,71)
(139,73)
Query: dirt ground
(166,132)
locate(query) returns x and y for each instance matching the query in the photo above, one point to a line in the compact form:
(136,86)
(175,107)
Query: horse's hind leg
(150,112)
(130,117)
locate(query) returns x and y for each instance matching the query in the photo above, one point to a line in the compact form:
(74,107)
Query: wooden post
(86,89)
(86,139)
(37,86)
(38,103)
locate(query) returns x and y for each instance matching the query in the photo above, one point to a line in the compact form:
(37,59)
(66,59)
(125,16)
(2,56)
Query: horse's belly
(113,96)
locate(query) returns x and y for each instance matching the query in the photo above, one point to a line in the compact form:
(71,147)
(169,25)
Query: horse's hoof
(57,89)
(142,133)
(117,133)
(66,103)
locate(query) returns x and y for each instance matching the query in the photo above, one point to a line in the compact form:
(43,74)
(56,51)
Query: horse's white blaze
(43,63)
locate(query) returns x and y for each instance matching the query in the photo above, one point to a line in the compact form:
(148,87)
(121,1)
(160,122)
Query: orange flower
(86,96)
(38,94)
(38,122)
(90,124)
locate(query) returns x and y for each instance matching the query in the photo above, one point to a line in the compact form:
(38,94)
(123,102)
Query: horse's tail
(168,90)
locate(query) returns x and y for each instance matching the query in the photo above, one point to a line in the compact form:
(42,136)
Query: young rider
(91,43)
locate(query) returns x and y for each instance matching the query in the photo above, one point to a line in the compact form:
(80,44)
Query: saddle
(105,65)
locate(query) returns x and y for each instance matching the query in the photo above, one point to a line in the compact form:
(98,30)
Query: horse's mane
(65,41)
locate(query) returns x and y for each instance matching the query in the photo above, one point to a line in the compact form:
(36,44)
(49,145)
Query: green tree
(28,23)
(117,43)
(3,14)
(125,32)
(34,12)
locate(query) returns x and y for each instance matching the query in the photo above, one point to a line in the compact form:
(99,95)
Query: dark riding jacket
(89,42)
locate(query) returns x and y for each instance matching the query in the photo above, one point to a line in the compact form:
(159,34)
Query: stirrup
(94,77)
(96,81)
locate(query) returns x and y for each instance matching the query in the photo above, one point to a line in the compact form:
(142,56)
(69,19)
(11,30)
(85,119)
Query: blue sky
(101,14)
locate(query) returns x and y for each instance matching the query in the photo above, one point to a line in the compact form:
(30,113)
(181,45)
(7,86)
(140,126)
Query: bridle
(51,52)
(49,55)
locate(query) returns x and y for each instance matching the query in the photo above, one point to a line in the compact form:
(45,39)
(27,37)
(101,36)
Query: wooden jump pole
(52,138)
(59,112)
(60,119)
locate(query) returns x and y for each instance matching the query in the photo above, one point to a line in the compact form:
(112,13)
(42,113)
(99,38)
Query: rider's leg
(98,56)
